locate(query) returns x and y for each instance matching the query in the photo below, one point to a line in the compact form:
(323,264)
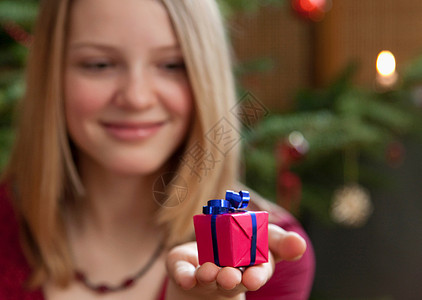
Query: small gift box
(229,236)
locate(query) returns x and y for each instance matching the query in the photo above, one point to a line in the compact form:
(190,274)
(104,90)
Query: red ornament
(395,154)
(311,9)
(288,155)
(289,185)
(289,188)
(17,33)
(291,150)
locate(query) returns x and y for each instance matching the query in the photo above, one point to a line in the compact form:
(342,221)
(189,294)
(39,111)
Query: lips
(132,131)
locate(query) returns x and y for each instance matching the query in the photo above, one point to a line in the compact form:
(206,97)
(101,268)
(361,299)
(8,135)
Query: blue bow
(234,202)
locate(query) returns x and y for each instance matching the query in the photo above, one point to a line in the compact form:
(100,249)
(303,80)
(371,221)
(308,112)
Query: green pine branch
(22,12)
(348,131)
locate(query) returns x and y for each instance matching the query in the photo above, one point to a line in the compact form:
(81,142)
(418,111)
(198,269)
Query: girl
(125,132)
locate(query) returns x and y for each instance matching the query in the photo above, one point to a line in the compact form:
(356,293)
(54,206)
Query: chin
(137,167)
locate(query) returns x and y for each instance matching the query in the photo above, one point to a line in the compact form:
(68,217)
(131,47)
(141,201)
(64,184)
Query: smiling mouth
(132,131)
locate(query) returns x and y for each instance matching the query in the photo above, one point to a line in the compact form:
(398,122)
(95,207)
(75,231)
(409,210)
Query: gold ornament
(351,206)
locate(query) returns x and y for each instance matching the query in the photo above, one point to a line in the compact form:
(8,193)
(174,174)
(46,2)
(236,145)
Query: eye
(174,66)
(97,66)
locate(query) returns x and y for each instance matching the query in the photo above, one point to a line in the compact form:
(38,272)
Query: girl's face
(128,101)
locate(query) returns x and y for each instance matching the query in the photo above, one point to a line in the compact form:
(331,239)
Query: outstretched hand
(188,280)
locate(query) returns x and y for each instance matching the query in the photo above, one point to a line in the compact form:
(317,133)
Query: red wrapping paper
(234,236)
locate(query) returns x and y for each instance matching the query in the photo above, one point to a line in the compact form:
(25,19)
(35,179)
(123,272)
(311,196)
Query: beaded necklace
(103,288)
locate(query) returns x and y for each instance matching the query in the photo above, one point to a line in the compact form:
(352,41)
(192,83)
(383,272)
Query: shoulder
(13,266)
(291,280)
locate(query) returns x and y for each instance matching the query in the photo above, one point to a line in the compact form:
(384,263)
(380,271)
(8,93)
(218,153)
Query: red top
(291,280)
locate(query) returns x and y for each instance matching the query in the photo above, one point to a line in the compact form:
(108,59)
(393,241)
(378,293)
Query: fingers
(256,276)
(229,278)
(184,274)
(211,276)
(207,273)
(181,265)
(285,245)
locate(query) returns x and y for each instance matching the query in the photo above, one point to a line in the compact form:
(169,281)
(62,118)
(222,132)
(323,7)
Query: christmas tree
(16,20)
(326,150)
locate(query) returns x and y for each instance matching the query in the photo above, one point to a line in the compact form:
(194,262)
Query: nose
(136,91)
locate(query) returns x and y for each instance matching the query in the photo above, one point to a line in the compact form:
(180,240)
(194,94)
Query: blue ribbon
(233,203)
(253,240)
(214,239)
(217,207)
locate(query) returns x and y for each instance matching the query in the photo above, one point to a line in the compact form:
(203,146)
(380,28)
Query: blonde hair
(42,170)
(201,34)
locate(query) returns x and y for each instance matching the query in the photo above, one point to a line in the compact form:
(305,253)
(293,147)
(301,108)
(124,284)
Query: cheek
(83,98)
(179,100)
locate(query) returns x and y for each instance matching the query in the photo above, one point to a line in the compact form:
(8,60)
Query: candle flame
(386,63)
